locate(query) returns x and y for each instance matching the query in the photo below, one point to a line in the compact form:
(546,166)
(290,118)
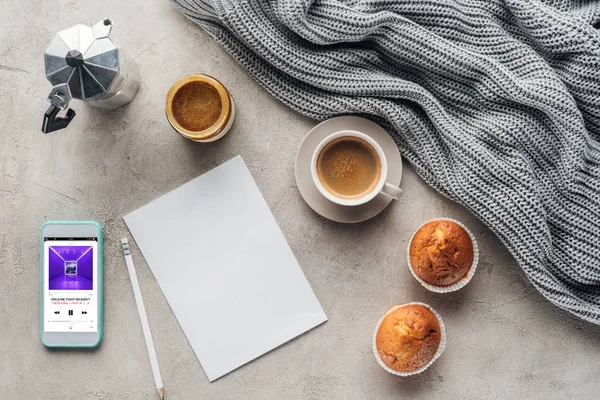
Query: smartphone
(71,284)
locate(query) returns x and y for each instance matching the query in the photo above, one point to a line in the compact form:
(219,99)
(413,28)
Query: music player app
(70,284)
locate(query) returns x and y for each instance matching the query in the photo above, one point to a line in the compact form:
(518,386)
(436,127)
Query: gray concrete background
(504,339)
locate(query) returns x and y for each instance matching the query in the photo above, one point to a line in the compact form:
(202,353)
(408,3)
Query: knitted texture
(495,103)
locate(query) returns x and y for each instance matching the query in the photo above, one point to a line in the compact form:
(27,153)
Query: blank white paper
(225,268)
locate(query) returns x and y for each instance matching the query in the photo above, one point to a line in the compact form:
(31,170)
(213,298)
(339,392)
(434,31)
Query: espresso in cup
(200,108)
(349,167)
(197,106)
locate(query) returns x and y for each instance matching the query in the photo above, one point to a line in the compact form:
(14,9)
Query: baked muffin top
(408,338)
(441,253)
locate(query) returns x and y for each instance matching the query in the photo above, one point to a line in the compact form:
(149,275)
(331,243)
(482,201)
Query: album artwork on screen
(70,268)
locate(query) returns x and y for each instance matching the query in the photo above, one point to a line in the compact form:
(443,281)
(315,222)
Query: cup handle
(391,190)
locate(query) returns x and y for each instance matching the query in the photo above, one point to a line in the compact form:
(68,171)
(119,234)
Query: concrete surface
(504,339)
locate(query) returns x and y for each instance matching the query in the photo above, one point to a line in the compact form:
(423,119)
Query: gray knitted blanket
(494,102)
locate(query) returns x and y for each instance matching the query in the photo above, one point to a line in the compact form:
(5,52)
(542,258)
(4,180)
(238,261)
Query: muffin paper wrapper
(438,353)
(454,287)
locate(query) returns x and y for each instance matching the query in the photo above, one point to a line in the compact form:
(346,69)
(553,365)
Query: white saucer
(314,198)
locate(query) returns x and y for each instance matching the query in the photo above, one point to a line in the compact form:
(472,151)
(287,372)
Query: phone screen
(70,284)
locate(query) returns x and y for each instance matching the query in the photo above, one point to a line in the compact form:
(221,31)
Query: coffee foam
(197,106)
(349,167)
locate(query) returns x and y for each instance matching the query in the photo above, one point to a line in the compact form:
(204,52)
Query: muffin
(408,338)
(441,253)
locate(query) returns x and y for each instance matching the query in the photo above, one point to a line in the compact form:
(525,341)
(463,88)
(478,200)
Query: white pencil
(143,318)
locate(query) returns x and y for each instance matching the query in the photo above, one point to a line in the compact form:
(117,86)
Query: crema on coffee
(200,108)
(197,106)
(349,167)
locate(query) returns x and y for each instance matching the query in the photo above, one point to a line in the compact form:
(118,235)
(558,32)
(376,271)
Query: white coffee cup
(382,185)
